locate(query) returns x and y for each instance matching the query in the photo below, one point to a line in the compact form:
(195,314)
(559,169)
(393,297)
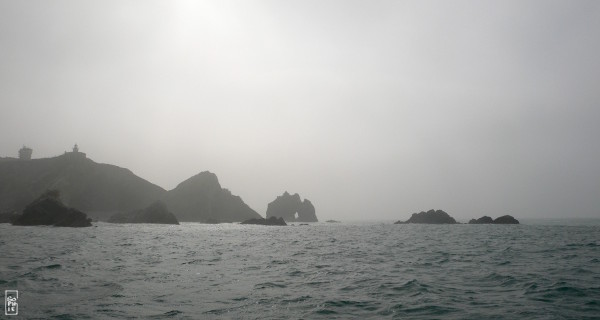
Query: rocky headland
(98,189)
(103,190)
(202,199)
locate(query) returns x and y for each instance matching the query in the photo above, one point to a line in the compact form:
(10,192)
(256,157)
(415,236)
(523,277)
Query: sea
(362,270)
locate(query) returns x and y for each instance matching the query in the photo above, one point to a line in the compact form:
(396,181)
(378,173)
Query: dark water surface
(321,271)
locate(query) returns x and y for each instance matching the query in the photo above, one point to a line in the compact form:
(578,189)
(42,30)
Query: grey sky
(371,109)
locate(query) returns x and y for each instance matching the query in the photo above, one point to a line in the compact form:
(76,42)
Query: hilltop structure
(75,154)
(25,153)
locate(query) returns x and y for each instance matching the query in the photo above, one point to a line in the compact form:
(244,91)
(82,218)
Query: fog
(370,109)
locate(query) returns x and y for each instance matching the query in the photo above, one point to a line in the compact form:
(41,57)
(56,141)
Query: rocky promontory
(97,189)
(430,217)
(272,221)
(507,219)
(202,199)
(155,213)
(49,210)
(292,209)
(102,190)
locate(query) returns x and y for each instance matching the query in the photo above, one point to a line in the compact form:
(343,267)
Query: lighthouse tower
(25,153)
(75,154)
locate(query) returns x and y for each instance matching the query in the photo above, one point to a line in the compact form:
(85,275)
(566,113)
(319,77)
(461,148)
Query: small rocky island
(50,211)
(155,213)
(507,219)
(430,217)
(292,209)
(482,220)
(272,221)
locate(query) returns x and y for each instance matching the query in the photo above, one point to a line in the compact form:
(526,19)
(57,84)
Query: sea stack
(50,211)
(430,217)
(292,209)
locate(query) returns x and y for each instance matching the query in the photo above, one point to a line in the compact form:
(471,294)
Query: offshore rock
(272,221)
(482,220)
(49,210)
(155,213)
(507,219)
(430,217)
(292,209)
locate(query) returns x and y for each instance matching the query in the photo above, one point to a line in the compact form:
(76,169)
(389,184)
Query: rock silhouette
(49,210)
(201,199)
(430,217)
(482,220)
(103,190)
(500,220)
(507,219)
(292,209)
(272,221)
(98,189)
(155,213)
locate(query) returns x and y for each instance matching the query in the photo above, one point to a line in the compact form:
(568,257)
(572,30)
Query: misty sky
(371,109)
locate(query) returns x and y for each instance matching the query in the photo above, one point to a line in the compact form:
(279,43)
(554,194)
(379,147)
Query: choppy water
(324,271)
